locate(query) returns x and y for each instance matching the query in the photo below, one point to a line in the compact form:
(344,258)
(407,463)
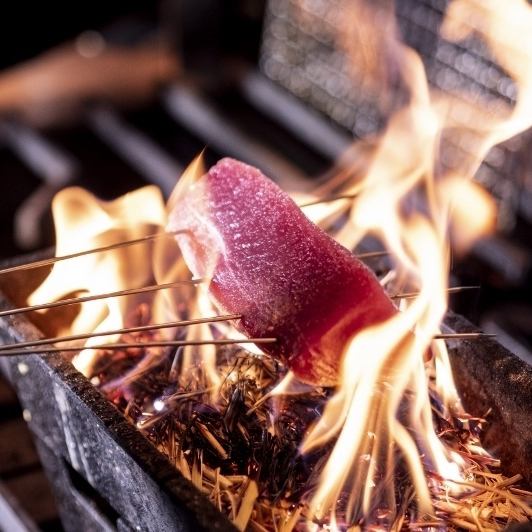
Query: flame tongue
(374,427)
(333,321)
(269,263)
(82,222)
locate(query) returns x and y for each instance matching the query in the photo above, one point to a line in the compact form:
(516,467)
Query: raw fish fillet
(284,275)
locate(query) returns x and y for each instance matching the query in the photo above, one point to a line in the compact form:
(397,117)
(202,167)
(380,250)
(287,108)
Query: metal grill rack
(308,63)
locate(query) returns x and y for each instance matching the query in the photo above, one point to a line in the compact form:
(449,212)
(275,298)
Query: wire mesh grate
(300,52)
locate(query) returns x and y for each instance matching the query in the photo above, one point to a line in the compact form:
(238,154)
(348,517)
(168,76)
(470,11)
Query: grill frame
(498,388)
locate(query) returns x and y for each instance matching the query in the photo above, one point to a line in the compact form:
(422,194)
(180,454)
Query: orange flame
(381,409)
(82,222)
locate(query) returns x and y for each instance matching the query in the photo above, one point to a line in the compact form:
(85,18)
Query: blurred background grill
(300,53)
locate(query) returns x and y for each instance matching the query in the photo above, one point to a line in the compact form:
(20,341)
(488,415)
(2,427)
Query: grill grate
(299,52)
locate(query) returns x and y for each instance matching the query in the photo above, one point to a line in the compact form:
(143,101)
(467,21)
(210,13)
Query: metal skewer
(329,199)
(126,243)
(463,336)
(170,343)
(84,299)
(371,254)
(124,330)
(53,260)
(452,290)
(182,343)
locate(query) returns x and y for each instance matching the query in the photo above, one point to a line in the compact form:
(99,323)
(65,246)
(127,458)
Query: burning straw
(243,450)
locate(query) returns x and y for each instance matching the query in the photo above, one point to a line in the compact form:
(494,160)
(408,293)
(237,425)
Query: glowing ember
(286,277)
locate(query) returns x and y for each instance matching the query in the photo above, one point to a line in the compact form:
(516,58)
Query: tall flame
(83,222)
(380,417)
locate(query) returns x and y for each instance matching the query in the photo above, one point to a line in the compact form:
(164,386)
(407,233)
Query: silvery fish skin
(284,275)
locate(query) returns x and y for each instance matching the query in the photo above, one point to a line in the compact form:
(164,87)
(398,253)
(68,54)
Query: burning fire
(83,222)
(407,200)
(379,422)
